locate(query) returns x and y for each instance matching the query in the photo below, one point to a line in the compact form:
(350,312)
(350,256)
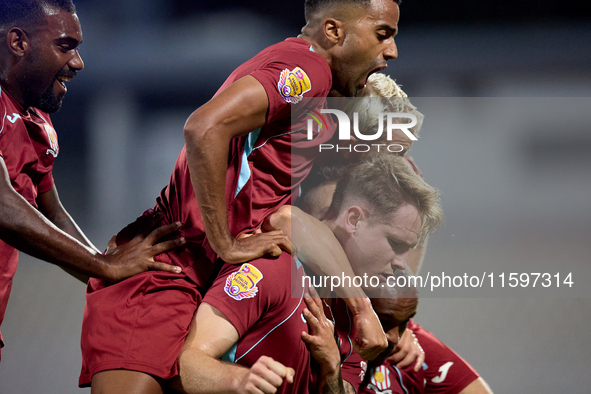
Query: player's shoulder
(267,271)
(265,282)
(297,53)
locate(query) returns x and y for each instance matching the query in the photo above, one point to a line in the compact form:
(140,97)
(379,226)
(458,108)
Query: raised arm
(319,249)
(27,229)
(201,371)
(239,109)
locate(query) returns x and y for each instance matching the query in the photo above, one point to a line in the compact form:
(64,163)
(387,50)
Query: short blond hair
(394,99)
(386,181)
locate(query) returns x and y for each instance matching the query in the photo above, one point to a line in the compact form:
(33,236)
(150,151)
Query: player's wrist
(223,246)
(359,306)
(331,368)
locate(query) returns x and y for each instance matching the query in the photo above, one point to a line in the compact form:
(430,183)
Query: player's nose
(400,262)
(391,51)
(76,62)
(393,337)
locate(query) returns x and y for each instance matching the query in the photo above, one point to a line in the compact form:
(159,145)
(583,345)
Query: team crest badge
(293,84)
(52,137)
(380,380)
(243,283)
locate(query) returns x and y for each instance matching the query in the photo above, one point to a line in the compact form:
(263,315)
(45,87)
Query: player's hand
(408,350)
(257,245)
(321,340)
(265,376)
(138,254)
(371,340)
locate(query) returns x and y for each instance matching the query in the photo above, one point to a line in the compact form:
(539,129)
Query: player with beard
(242,160)
(38,55)
(395,306)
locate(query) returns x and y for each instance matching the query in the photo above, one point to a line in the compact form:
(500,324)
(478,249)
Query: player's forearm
(200,373)
(331,382)
(26,229)
(207,156)
(66,223)
(51,207)
(317,248)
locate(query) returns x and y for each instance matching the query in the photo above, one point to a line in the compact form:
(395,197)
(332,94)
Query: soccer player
(38,56)
(395,305)
(446,371)
(378,213)
(242,160)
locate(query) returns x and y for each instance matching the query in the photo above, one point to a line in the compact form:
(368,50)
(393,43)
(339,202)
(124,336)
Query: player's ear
(18,41)
(353,218)
(333,30)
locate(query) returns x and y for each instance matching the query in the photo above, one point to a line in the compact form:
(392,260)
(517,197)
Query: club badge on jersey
(380,380)
(243,283)
(52,136)
(293,84)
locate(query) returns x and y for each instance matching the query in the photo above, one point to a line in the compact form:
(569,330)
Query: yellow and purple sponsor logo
(293,84)
(243,283)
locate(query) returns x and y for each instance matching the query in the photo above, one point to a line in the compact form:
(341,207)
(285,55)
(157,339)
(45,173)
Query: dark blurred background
(514,174)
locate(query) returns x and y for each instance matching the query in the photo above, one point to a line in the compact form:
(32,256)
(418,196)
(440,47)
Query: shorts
(141,323)
(138,324)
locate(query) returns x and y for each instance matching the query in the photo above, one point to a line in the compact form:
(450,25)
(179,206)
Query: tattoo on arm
(348,388)
(335,385)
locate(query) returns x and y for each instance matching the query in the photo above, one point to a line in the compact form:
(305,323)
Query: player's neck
(13,94)
(315,45)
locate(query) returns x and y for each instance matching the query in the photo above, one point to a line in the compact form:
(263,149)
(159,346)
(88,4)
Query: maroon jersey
(256,298)
(388,379)
(264,166)
(353,367)
(28,146)
(263,169)
(445,371)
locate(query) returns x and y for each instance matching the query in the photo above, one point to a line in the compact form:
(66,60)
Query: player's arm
(51,207)
(241,108)
(324,348)
(27,229)
(318,249)
(408,351)
(201,371)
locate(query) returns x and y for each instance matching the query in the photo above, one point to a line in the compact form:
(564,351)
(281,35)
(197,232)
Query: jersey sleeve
(244,293)
(293,76)
(445,371)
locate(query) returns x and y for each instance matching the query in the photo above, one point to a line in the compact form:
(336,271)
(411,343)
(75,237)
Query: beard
(48,102)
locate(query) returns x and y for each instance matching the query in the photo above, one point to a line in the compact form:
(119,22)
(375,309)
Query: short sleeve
(445,370)
(244,293)
(292,77)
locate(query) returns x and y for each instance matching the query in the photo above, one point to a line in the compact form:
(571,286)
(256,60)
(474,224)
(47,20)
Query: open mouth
(375,70)
(62,79)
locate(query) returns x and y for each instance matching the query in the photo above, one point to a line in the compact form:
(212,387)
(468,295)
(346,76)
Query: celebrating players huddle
(203,293)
